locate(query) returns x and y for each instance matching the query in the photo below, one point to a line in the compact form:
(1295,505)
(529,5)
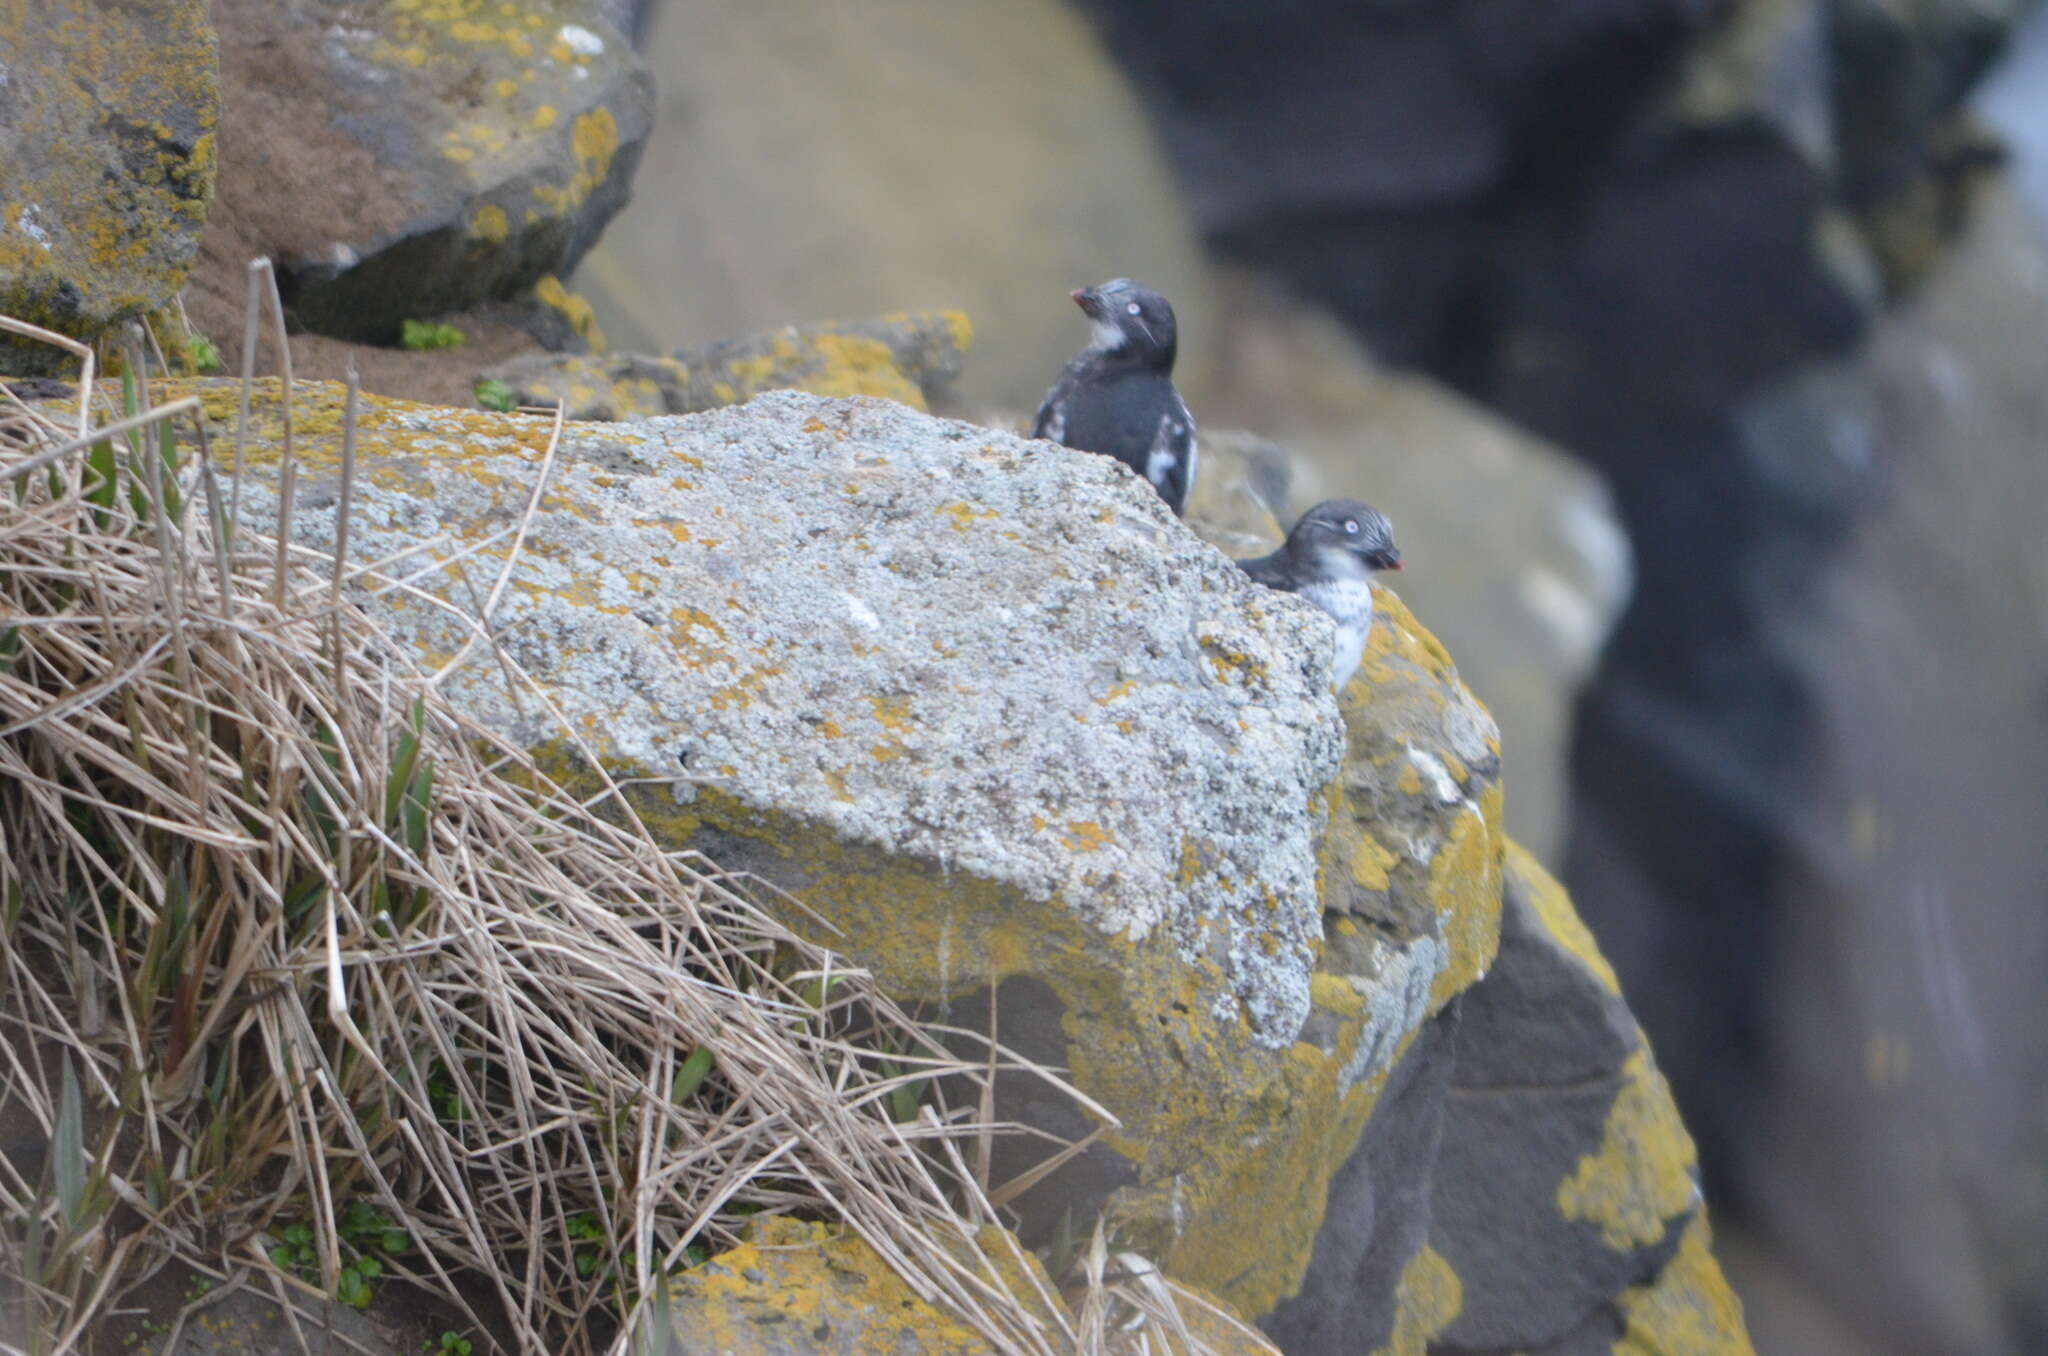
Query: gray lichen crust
(927,638)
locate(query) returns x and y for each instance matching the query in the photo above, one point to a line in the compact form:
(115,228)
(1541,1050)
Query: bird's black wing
(1170,463)
(1269,570)
(1051,419)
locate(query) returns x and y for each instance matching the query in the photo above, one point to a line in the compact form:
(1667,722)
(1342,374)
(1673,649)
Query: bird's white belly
(1350,602)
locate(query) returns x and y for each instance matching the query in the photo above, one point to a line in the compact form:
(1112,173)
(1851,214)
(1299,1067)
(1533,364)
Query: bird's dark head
(1345,539)
(1130,320)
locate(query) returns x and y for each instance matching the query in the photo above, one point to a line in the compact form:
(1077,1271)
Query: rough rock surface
(485,146)
(938,682)
(798,1289)
(912,358)
(981,154)
(1546,1199)
(106,162)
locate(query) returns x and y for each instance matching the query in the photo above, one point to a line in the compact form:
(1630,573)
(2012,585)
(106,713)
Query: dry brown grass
(283,934)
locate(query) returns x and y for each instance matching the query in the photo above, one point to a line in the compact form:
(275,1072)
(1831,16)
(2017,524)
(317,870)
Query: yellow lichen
(489,224)
(1641,1177)
(1429,1298)
(582,320)
(1086,836)
(1554,910)
(1688,1310)
(1369,862)
(1465,890)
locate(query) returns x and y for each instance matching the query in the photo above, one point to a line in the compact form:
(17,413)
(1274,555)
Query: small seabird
(1329,559)
(1117,397)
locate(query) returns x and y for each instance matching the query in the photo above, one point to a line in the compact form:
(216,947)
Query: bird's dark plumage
(1329,558)
(1117,396)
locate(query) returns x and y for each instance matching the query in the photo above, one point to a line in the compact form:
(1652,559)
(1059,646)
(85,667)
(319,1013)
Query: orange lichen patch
(1465,883)
(593,141)
(489,224)
(1117,692)
(804,1277)
(582,321)
(891,713)
(1086,836)
(964,515)
(1369,862)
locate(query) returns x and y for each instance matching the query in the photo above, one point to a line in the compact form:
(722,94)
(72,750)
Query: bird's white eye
(1351,526)
(1132,308)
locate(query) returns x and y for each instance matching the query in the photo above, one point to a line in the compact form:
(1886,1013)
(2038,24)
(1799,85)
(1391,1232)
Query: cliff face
(999,725)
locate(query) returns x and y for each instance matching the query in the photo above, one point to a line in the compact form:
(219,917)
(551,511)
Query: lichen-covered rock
(1004,726)
(1565,1174)
(911,357)
(792,1288)
(981,703)
(1547,1178)
(106,162)
(501,137)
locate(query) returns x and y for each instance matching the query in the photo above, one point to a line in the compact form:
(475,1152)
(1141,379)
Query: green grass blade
(68,1151)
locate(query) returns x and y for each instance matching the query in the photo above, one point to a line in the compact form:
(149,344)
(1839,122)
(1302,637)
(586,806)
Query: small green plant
(367,1237)
(493,394)
(587,1237)
(451,1344)
(425,334)
(201,352)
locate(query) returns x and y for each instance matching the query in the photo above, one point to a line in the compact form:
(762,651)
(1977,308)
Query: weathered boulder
(408,160)
(1015,739)
(106,162)
(909,357)
(994,715)
(982,154)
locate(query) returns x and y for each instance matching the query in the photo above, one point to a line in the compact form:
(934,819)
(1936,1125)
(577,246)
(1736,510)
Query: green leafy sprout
(493,394)
(418,335)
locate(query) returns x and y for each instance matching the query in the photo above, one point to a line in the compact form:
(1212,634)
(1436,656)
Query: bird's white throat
(1108,336)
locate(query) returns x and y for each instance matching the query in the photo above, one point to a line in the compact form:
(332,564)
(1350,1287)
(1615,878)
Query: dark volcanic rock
(1378,1217)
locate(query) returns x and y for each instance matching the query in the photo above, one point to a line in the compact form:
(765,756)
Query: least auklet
(1117,397)
(1329,559)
